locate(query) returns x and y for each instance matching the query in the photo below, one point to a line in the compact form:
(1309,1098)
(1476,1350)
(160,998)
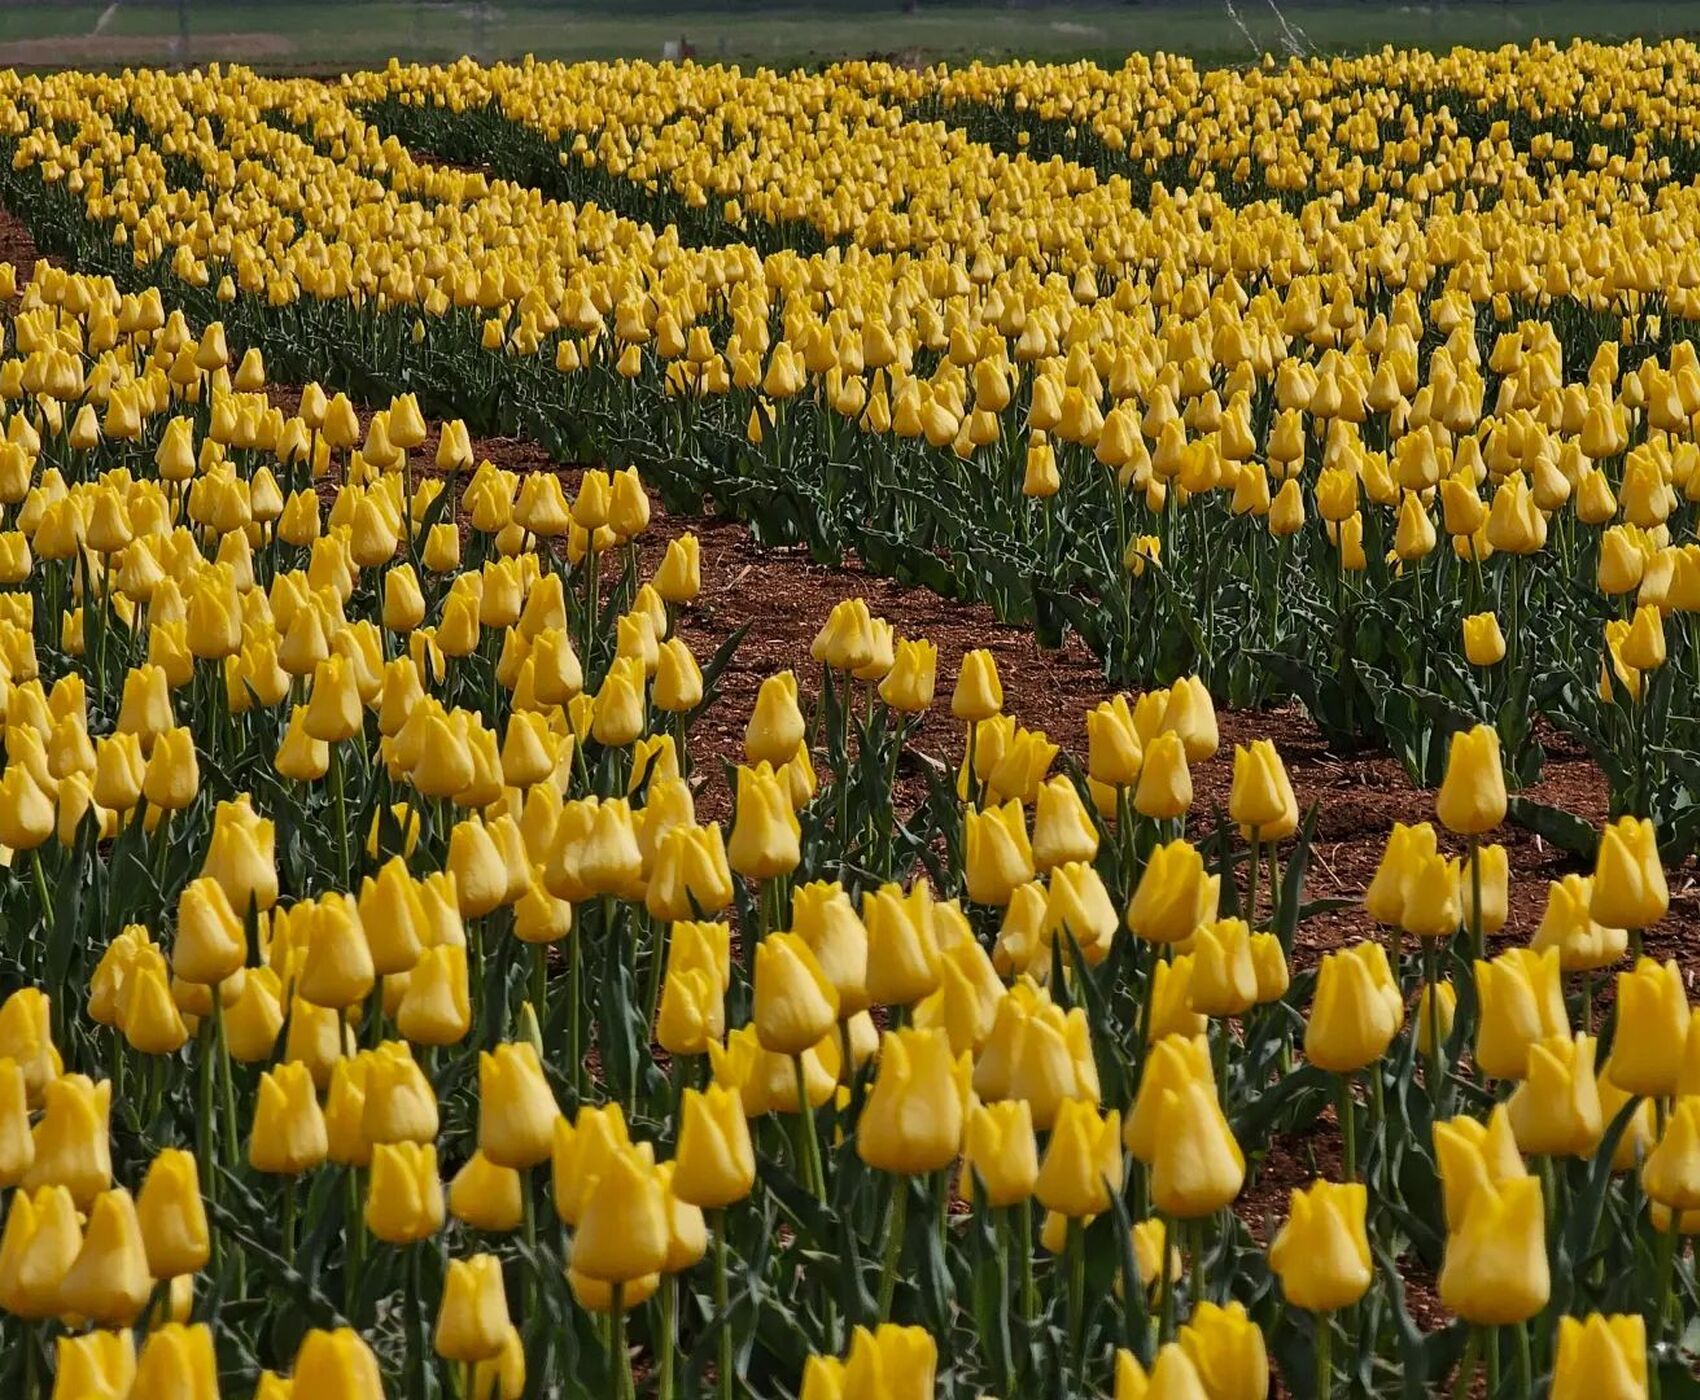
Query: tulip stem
(1436,1051)
(1195,1283)
(1256,872)
(1525,1362)
(1478,944)
(1324,1356)
(723,1377)
(1665,1272)
(1029,1289)
(1468,1365)
(813,1170)
(227,1084)
(575,1057)
(339,798)
(896,1223)
(664,1364)
(1166,1291)
(1348,1129)
(621,1359)
(1076,1248)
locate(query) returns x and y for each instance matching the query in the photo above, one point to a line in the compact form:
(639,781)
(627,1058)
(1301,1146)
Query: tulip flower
(1653,1000)
(1629,882)
(1555,1111)
(1321,1254)
(1522,1002)
(1495,1269)
(472,1320)
(1600,1356)
(1226,1348)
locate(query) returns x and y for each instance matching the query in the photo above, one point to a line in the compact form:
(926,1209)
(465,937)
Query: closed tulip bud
(1000,1150)
(979,693)
(1172,1063)
(171,1216)
(998,855)
(1083,1161)
(37,1249)
(73,1139)
(151,1021)
(1601,1358)
(1321,1254)
(1172,1011)
(1165,782)
(908,686)
(903,954)
(400,1105)
(1174,895)
(715,1162)
(1555,1111)
(1522,1001)
(1062,830)
(1261,799)
(336,965)
(1269,962)
(472,1321)
(1652,1000)
(404,1196)
(1226,1347)
(1078,906)
(1224,978)
(823,917)
(1629,881)
(487,1197)
(17,1147)
(1495,888)
(1644,646)
(1435,1029)
(1495,1270)
(172,777)
(337,1364)
(795,1005)
(436,1003)
(1173,1376)
(1671,1174)
(1114,750)
(1197,1168)
(912,1122)
(890,1360)
(179,1361)
(1356,1011)
(1469,1153)
(679,579)
(1472,800)
(775,728)
(765,831)
(516,1109)
(241,856)
(109,1283)
(623,1231)
(289,1127)
(1567,924)
(26,812)
(26,1038)
(1484,644)
(95,1366)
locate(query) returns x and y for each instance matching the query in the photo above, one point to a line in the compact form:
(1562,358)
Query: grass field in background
(313,36)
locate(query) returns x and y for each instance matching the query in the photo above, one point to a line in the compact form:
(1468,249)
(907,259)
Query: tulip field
(860,734)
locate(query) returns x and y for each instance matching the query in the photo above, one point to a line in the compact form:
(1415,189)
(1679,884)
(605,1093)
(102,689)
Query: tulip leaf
(1563,829)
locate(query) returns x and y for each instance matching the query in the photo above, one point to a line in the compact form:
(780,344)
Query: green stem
(814,1171)
(1024,1236)
(722,1307)
(1076,1250)
(1468,1365)
(621,1359)
(669,1310)
(1348,1129)
(1166,1286)
(1324,1356)
(895,1226)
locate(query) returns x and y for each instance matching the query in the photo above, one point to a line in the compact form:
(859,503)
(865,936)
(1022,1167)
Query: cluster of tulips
(380,1017)
(1364,381)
